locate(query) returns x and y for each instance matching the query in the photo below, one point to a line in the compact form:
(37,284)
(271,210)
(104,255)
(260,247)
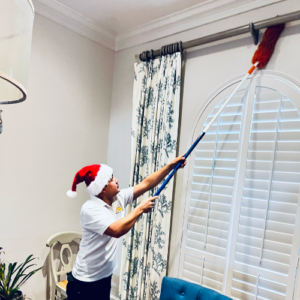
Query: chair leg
(53,292)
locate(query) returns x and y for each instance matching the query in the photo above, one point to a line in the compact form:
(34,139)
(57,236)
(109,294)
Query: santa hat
(96,177)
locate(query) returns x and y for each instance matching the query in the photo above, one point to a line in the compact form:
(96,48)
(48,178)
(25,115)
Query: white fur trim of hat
(104,175)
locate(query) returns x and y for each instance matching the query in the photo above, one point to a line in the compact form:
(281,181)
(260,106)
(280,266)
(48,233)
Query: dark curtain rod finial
(147,55)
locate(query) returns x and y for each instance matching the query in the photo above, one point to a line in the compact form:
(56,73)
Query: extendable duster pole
(260,59)
(206,129)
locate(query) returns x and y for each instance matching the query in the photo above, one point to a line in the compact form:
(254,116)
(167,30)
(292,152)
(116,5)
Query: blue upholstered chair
(177,289)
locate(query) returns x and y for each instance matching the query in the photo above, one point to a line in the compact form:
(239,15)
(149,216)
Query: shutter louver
(211,197)
(269,199)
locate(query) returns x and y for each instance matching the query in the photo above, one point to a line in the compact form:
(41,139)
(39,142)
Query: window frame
(203,113)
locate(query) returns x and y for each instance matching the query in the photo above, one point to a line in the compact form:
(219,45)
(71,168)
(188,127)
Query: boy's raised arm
(155,178)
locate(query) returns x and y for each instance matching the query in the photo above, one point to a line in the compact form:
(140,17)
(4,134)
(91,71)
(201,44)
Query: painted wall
(206,68)
(61,127)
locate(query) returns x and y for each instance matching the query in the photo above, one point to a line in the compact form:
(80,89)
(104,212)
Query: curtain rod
(253,28)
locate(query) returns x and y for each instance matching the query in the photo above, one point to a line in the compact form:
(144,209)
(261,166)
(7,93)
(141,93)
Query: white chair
(61,269)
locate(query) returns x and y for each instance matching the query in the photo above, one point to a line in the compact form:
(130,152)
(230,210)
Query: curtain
(156,99)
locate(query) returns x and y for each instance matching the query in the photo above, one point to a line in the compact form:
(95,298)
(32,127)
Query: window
(242,221)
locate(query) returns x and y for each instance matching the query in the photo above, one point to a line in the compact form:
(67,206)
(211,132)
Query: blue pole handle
(179,164)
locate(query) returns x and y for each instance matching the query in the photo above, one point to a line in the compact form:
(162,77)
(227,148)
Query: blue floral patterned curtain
(156,99)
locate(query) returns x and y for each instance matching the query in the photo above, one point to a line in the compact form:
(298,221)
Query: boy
(103,222)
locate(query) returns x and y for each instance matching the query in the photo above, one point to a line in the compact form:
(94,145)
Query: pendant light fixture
(16,23)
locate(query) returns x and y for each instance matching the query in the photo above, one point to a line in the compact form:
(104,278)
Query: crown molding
(74,21)
(195,16)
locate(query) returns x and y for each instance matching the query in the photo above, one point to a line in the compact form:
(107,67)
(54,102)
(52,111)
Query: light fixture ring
(15,83)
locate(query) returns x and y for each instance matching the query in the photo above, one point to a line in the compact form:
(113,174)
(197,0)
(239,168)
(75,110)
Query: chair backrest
(65,239)
(175,289)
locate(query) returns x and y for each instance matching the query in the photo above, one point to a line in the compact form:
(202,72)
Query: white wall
(61,127)
(205,66)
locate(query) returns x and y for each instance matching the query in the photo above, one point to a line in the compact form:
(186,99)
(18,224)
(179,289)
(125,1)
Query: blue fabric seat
(177,289)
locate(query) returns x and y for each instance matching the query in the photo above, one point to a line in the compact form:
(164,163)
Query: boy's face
(112,188)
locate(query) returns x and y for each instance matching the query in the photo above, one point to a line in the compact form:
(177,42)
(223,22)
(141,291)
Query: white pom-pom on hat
(71,194)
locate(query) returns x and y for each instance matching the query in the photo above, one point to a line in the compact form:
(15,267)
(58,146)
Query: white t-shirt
(97,256)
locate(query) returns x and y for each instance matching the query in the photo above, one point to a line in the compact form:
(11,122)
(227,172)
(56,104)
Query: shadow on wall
(58,265)
(47,275)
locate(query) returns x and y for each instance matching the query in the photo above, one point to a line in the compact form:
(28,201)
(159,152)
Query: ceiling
(122,15)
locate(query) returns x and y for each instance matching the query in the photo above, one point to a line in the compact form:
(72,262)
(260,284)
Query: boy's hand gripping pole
(205,130)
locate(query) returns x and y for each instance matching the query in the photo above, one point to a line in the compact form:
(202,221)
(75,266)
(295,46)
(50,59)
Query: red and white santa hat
(96,177)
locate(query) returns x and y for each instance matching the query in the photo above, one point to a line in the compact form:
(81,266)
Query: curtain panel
(156,99)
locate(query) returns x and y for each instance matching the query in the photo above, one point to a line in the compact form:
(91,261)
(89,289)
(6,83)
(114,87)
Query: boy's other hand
(147,204)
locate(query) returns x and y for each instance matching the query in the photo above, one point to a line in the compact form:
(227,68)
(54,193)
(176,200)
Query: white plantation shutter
(262,140)
(214,170)
(269,199)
